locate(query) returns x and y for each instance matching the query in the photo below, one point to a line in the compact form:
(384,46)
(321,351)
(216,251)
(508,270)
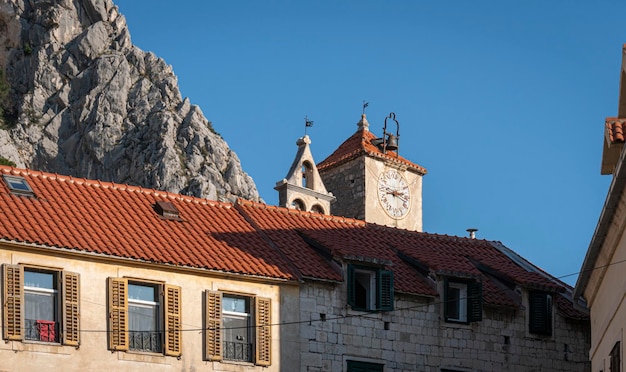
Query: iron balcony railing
(41,330)
(145,341)
(238,351)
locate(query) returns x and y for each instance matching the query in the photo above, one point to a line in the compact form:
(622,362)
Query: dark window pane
(454,296)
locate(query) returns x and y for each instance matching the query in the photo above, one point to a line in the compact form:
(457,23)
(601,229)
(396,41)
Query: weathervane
(307,123)
(365,104)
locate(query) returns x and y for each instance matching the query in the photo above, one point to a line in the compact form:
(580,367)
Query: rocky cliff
(78,98)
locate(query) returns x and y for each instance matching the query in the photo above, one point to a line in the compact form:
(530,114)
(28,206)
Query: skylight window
(18,185)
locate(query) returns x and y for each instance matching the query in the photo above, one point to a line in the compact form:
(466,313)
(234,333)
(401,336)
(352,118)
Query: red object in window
(46,330)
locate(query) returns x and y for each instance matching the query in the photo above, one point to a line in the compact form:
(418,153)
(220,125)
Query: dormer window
(18,185)
(370,288)
(540,313)
(462,301)
(167,210)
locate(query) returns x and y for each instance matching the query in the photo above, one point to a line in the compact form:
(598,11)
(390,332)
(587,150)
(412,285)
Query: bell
(392,142)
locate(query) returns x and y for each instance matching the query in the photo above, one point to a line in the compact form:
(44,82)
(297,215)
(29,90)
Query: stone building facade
(602,282)
(414,337)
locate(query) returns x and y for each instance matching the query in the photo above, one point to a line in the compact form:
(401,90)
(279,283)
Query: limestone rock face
(83,101)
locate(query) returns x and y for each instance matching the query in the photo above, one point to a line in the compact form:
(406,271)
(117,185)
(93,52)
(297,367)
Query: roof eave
(77,253)
(602,228)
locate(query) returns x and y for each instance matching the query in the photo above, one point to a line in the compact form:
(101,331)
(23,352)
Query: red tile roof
(120,220)
(615,129)
(359,144)
(250,238)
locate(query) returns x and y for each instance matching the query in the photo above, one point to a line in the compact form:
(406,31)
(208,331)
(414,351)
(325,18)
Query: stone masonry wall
(413,338)
(347,183)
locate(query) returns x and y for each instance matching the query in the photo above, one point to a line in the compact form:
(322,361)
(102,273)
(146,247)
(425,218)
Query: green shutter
(13,302)
(213,325)
(540,313)
(446,287)
(71,310)
(118,313)
(351,289)
(173,322)
(385,290)
(474,301)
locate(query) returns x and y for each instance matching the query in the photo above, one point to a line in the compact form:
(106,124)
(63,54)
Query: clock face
(394,194)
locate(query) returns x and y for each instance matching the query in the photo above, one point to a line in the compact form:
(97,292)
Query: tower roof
(360,143)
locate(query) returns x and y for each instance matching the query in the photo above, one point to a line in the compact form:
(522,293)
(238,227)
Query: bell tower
(371,181)
(303,188)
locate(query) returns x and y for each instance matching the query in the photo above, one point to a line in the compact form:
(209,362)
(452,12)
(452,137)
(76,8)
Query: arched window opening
(298,205)
(307,175)
(318,209)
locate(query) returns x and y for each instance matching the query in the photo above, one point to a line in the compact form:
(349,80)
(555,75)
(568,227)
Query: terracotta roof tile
(119,220)
(252,238)
(360,143)
(615,129)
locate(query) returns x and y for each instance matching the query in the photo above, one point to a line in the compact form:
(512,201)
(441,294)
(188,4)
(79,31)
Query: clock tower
(372,182)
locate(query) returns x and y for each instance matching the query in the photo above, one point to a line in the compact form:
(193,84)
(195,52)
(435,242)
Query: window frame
(170,301)
(44,330)
(381,283)
(156,306)
(12,181)
(67,307)
(361,366)
(540,313)
(615,364)
(469,302)
(260,333)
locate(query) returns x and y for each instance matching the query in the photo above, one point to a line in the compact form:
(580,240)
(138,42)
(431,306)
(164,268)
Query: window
(462,301)
(238,328)
(298,204)
(144,331)
(144,316)
(370,288)
(40,305)
(615,364)
(18,185)
(307,175)
(356,366)
(317,209)
(540,313)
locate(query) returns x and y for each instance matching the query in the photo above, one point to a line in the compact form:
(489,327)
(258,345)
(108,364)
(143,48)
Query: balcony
(41,330)
(145,341)
(237,351)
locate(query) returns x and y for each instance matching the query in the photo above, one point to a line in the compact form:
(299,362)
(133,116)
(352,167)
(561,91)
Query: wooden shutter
(350,286)
(213,325)
(13,300)
(263,321)
(540,313)
(118,313)
(70,307)
(173,312)
(474,301)
(385,290)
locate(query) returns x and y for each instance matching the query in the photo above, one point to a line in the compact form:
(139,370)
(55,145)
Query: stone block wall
(347,183)
(414,338)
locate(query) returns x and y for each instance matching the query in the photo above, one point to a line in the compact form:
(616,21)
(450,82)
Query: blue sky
(503,102)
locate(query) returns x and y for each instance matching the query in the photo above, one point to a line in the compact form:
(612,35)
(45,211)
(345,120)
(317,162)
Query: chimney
(472,232)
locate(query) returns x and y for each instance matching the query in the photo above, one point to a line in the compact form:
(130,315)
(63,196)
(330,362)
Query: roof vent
(472,232)
(18,185)
(167,210)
